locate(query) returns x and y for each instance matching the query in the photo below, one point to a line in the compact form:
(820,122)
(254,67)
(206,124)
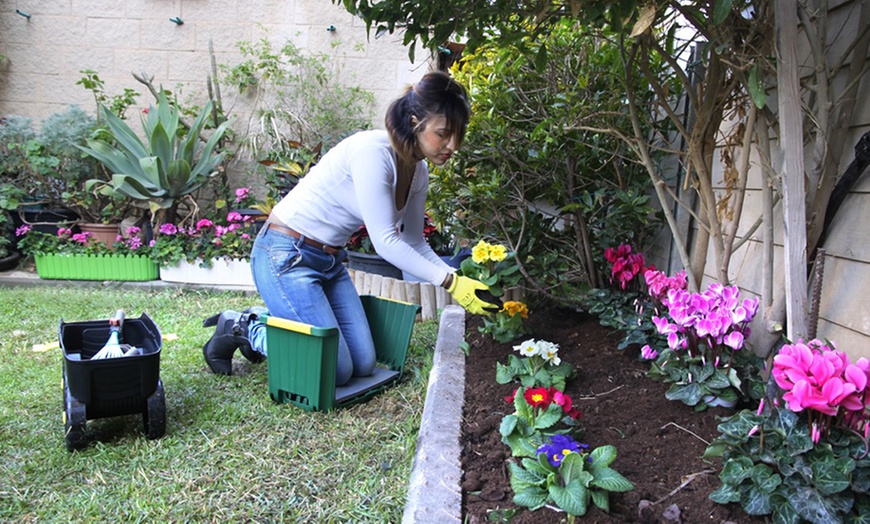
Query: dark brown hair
(435,94)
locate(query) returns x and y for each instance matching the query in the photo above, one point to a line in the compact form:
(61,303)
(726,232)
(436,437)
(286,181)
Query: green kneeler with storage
(302,358)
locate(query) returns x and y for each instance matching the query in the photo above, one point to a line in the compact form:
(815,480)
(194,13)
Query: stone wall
(45,52)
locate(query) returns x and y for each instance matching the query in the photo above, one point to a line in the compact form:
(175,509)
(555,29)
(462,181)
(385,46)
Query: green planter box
(96,267)
(302,358)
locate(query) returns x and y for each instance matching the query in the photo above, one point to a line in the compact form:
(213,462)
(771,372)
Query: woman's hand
(465,290)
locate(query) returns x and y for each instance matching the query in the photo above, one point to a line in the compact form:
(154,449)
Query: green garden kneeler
(302,358)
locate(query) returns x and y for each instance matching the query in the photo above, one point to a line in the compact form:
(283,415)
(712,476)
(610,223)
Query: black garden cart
(110,387)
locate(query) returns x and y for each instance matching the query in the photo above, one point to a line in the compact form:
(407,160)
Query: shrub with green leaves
(45,166)
(531,175)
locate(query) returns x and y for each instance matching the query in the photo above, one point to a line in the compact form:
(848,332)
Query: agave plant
(172,164)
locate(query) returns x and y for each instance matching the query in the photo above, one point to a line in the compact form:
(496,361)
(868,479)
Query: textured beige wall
(45,53)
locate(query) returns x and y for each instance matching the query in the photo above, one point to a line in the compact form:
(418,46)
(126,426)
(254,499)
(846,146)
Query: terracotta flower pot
(105,233)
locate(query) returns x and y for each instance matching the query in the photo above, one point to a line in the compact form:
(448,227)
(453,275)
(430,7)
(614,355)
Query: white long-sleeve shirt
(354,184)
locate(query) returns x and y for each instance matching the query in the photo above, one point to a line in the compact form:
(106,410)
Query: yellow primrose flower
(480,252)
(497,252)
(513,307)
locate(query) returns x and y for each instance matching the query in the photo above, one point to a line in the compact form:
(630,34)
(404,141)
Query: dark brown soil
(659,442)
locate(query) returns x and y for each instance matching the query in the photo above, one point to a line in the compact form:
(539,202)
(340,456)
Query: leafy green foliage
(625,311)
(170,164)
(533,371)
(530,172)
(771,467)
(433,23)
(117,104)
(694,378)
(581,478)
(46,166)
(297,101)
(287,165)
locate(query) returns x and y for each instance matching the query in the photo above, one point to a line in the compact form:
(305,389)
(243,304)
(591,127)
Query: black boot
(219,349)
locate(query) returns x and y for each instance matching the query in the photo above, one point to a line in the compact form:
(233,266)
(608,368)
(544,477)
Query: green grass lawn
(230,454)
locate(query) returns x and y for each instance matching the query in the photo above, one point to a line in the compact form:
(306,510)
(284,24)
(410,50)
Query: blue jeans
(300,282)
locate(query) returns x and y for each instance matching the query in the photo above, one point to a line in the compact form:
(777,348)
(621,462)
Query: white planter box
(224,271)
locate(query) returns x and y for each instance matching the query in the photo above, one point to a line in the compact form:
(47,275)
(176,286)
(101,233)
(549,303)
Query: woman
(375,178)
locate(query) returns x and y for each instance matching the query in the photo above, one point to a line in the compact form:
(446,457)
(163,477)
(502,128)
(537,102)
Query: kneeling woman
(378,179)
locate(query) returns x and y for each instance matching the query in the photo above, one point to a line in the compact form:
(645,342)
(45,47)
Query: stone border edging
(434,493)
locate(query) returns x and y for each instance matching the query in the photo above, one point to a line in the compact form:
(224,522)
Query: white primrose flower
(528,348)
(549,351)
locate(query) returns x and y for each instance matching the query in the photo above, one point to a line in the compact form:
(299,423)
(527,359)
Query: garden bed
(659,442)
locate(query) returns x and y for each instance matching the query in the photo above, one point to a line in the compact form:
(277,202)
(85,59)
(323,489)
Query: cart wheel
(75,421)
(155,414)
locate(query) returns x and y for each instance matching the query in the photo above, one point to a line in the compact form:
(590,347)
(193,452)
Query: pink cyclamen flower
(204,223)
(23,230)
(816,376)
(734,340)
(648,353)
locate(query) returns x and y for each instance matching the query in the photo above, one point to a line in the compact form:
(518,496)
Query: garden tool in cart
(114,348)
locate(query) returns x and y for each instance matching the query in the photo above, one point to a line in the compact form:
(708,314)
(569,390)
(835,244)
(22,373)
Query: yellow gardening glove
(465,289)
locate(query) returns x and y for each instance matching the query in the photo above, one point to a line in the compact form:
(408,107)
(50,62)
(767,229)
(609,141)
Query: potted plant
(287,165)
(208,252)
(361,256)
(46,166)
(166,168)
(77,256)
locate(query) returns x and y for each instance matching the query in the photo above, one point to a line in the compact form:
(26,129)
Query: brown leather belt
(331,250)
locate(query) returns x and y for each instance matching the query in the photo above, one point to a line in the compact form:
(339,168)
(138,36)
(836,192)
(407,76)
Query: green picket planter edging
(96,267)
